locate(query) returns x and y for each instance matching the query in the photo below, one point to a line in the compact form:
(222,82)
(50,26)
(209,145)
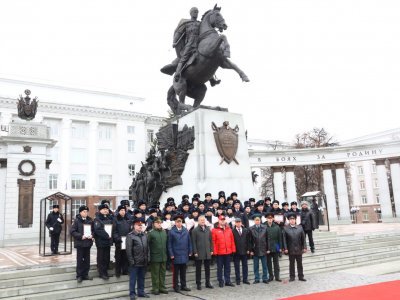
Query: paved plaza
(26,257)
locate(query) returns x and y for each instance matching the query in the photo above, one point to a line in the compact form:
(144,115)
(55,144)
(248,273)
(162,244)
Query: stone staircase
(333,252)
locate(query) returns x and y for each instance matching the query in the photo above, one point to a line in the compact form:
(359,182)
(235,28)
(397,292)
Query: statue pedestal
(204,171)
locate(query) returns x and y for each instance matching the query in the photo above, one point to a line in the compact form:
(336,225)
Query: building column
(65,150)
(259,180)
(92,157)
(3,177)
(290,184)
(344,207)
(384,194)
(395,172)
(368,181)
(330,194)
(279,193)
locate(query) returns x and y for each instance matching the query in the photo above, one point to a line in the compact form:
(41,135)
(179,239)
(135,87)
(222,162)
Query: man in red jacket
(224,246)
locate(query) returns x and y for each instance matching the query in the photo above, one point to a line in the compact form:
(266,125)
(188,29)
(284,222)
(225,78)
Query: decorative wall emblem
(227,141)
(26,108)
(27,148)
(26,167)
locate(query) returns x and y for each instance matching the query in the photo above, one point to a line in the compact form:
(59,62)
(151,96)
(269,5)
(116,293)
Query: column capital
(380,162)
(327,166)
(339,165)
(394,160)
(289,168)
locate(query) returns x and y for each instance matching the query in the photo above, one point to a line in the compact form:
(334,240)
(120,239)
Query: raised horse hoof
(245,78)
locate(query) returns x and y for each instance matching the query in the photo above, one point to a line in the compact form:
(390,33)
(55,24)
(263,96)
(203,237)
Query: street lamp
(354,210)
(378,212)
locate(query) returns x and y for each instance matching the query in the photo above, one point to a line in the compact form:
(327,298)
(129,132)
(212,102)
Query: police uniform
(53,223)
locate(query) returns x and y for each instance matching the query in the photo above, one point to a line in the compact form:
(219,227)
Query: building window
(78,182)
(377,199)
(105,132)
(364,200)
(76,203)
(373,168)
(360,170)
(105,156)
(131,129)
(54,127)
(365,216)
(105,182)
(131,168)
(79,130)
(376,183)
(78,155)
(362,185)
(53,181)
(131,146)
(150,135)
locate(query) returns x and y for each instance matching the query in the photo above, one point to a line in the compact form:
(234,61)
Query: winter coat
(242,242)
(101,237)
(294,239)
(275,243)
(158,245)
(121,227)
(137,249)
(202,243)
(242,216)
(52,222)
(77,231)
(224,242)
(179,245)
(307,220)
(259,240)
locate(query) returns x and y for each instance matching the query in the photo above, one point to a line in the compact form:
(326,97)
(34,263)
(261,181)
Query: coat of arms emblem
(26,108)
(227,141)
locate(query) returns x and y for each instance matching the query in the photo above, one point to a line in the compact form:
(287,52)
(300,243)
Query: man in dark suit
(242,242)
(53,222)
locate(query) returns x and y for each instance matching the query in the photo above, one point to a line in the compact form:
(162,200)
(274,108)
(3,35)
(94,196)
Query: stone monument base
(205,170)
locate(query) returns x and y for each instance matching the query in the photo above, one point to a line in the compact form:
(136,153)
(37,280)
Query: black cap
(197,195)
(269,214)
(236,201)
(285,204)
(83,207)
(141,202)
(139,220)
(221,194)
(170,199)
(267,198)
(259,203)
(56,206)
(252,200)
(275,201)
(125,202)
(101,206)
(291,216)
(179,217)
(293,203)
(121,207)
(233,194)
(207,194)
(105,201)
(152,210)
(256,216)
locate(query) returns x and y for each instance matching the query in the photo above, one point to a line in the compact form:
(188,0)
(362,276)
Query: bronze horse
(212,53)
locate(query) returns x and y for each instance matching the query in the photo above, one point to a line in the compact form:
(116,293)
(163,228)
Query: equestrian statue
(200,50)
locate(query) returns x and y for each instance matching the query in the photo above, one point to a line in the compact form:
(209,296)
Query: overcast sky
(324,63)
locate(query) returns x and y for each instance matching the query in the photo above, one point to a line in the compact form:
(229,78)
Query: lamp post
(354,210)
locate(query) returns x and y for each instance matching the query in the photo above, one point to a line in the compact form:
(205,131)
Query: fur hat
(293,203)
(83,207)
(56,206)
(101,206)
(207,194)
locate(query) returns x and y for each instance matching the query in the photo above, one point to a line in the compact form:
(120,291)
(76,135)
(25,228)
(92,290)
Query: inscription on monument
(25,202)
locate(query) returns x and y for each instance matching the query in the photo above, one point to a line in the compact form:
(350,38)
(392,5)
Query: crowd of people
(209,231)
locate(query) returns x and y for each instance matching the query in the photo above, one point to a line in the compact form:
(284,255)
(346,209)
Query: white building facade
(98,142)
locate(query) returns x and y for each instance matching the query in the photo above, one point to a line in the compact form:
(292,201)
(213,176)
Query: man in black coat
(259,248)
(239,213)
(137,250)
(53,223)
(242,241)
(121,228)
(294,244)
(307,221)
(83,242)
(103,238)
(315,212)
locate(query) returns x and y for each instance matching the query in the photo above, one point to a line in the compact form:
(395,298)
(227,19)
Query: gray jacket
(202,242)
(294,240)
(137,249)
